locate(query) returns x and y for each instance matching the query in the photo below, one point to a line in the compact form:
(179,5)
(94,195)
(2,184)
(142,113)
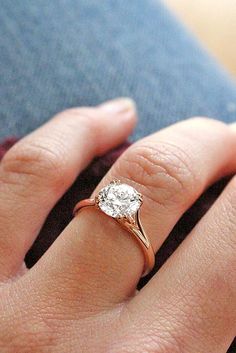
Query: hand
(81,295)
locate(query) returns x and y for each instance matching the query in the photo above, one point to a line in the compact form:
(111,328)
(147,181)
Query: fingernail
(119,106)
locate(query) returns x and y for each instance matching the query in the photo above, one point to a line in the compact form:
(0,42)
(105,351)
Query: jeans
(58,54)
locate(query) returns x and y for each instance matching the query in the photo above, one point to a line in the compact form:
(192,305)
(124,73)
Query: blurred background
(214,23)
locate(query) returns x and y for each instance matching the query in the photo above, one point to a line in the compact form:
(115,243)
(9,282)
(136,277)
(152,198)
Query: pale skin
(81,295)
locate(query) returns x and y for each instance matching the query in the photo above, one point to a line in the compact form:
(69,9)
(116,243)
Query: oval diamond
(119,200)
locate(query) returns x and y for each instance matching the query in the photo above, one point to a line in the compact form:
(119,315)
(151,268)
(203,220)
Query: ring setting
(119,200)
(123,202)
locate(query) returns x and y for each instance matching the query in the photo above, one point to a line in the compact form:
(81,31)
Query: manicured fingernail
(119,106)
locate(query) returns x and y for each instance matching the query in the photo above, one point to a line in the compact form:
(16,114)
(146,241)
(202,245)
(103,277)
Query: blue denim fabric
(58,54)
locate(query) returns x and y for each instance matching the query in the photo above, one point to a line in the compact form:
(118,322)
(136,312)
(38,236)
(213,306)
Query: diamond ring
(122,202)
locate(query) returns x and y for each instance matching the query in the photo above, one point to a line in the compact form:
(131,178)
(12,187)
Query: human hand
(81,295)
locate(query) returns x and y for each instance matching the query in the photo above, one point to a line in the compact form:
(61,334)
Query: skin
(81,295)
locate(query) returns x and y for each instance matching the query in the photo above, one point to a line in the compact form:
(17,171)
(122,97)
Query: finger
(193,297)
(37,170)
(171,169)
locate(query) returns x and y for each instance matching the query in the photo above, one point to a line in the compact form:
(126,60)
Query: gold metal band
(133,226)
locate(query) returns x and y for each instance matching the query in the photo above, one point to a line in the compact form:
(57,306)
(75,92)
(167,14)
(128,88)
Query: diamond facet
(119,200)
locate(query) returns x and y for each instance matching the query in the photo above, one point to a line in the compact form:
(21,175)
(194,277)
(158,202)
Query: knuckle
(32,160)
(162,169)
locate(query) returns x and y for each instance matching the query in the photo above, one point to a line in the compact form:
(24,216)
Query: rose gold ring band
(133,226)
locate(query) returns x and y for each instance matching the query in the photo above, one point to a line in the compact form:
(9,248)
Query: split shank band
(122,202)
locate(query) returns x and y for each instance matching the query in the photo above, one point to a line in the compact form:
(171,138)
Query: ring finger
(171,169)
